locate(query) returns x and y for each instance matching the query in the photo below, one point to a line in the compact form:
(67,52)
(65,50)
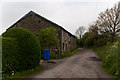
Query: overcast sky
(70,14)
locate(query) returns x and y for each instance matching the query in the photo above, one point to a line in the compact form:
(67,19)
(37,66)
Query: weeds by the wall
(65,54)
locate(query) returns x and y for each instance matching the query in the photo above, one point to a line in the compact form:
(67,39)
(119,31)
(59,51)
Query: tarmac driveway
(84,64)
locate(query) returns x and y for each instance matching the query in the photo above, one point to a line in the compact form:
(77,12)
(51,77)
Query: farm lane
(81,65)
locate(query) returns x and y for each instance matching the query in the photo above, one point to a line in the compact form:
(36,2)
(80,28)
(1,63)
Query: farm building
(34,22)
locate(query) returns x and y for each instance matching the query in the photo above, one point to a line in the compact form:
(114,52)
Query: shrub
(10,55)
(109,56)
(111,62)
(28,51)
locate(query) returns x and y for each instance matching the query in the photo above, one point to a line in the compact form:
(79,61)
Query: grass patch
(24,74)
(65,54)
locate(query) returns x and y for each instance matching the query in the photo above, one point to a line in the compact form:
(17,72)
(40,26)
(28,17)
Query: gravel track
(83,64)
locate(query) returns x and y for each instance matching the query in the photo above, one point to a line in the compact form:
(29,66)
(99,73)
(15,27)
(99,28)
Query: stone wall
(73,43)
(68,41)
(65,41)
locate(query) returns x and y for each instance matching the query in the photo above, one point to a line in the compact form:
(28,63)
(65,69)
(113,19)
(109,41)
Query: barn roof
(31,12)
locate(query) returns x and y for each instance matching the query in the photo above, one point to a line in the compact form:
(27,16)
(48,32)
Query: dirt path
(80,65)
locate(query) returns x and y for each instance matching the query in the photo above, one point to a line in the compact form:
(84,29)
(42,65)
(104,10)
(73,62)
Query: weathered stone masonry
(34,22)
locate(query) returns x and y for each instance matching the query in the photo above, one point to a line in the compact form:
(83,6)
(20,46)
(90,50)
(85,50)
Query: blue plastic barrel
(46,54)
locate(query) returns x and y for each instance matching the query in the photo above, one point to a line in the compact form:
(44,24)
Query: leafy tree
(91,38)
(78,42)
(79,32)
(106,28)
(48,38)
(93,28)
(108,21)
(84,37)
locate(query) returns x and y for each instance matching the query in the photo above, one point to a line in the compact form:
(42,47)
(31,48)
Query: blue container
(46,54)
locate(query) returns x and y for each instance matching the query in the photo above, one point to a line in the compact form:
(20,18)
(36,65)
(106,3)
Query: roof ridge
(30,12)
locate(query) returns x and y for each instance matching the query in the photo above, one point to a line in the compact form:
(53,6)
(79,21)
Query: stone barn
(34,22)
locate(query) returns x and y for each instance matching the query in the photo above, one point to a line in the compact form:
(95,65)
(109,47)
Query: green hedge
(28,48)
(10,55)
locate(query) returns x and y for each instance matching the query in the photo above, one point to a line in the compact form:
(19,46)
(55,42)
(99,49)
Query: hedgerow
(109,55)
(9,55)
(28,46)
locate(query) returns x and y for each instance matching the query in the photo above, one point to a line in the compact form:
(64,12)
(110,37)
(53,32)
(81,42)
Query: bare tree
(79,32)
(108,21)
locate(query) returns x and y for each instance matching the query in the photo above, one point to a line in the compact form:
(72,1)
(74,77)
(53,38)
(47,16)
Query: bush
(111,61)
(28,48)
(109,56)
(10,55)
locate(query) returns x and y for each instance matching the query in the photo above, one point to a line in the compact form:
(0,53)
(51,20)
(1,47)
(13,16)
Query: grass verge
(24,74)
(109,56)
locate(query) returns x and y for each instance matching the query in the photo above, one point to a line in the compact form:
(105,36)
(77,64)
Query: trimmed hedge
(28,48)
(10,55)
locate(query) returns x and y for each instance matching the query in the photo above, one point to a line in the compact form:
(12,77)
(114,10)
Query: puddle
(94,59)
